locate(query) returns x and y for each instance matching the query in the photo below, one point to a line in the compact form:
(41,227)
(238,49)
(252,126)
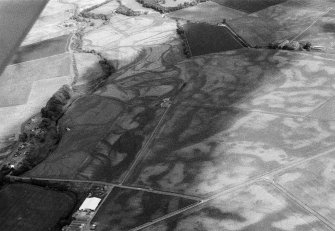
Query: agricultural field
(136,6)
(322,32)
(84,4)
(104,137)
(81,190)
(249,6)
(46,68)
(120,213)
(88,68)
(208,12)
(304,181)
(134,59)
(136,44)
(164,6)
(53,22)
(28,86)
(33,208)
(250,208)
(202,38)
(179,115)
(106,9)
(45,48)
(28,11)
(130,31)
(268,25)
(21,76)
(188,156)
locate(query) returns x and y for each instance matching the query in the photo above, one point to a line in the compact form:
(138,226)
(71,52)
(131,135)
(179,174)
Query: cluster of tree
(77,42)
(36,144)
(188,4)
(87,14)
(181,33)
(79,18)
(54,107)
(107,67)
(120,10)
(127,11)
(291,45)
(155,4)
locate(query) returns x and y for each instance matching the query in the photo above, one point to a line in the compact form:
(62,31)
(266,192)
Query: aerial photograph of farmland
(167,115)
